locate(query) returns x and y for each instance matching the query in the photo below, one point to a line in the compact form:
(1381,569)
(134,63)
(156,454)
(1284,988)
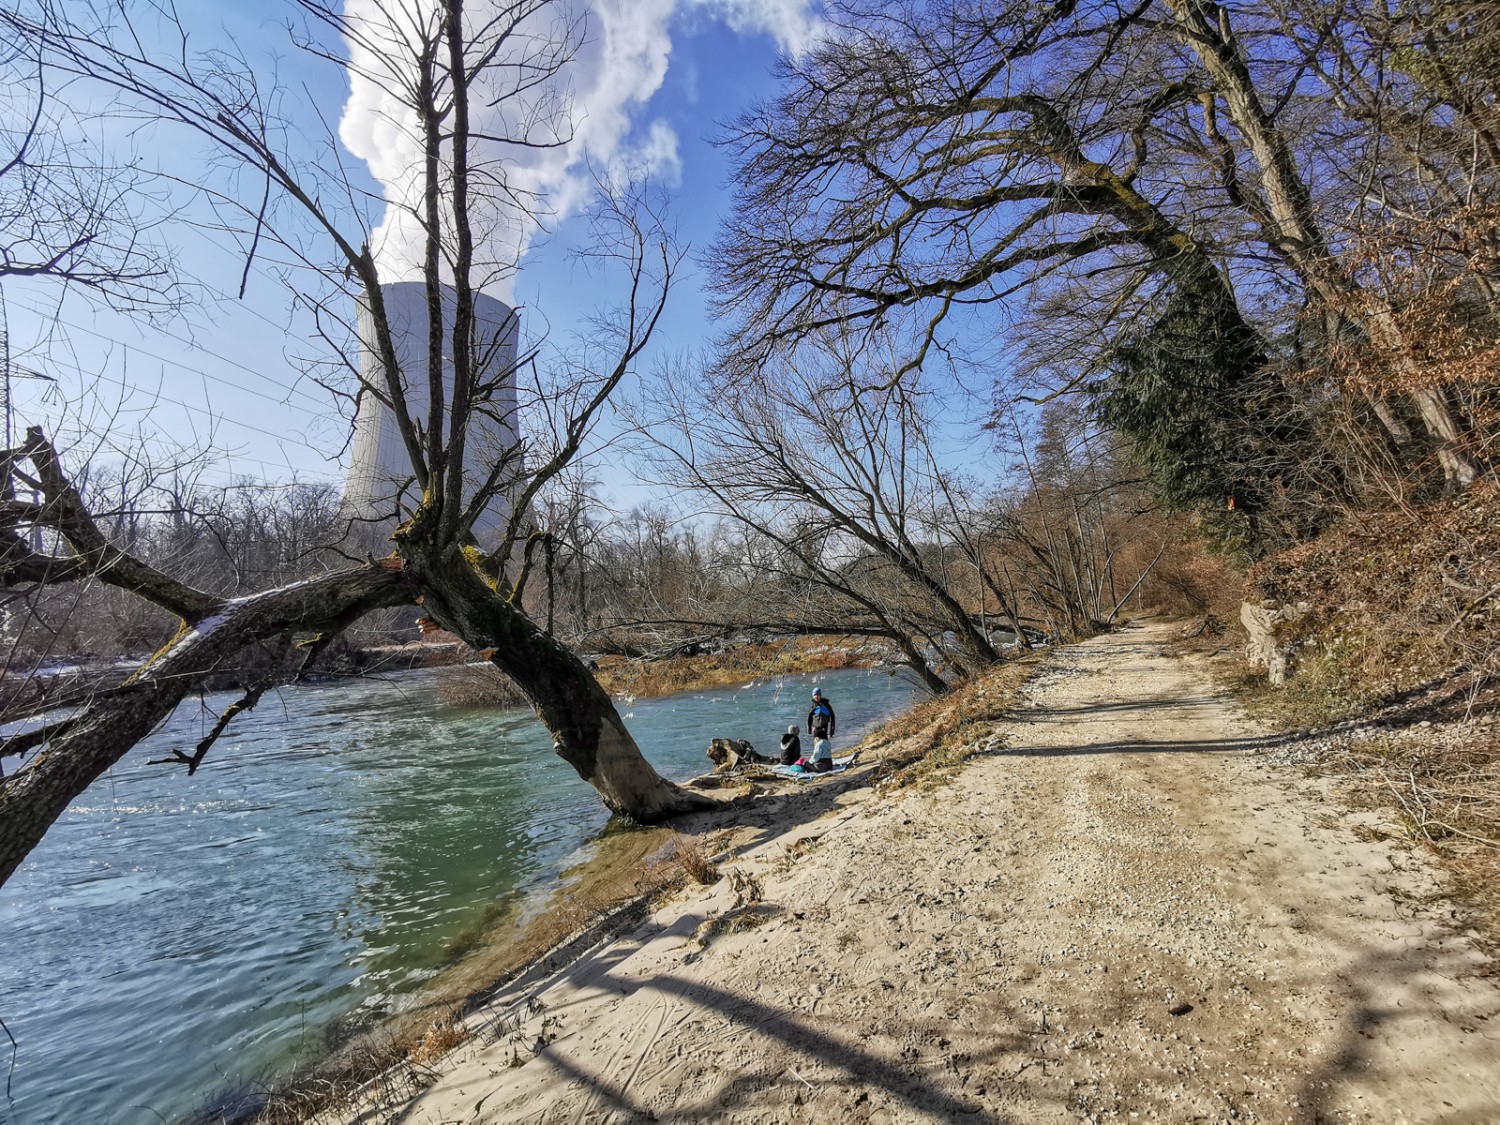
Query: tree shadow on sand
(795,1039)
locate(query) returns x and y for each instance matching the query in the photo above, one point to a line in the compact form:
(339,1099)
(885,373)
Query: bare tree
(1008,182)
(1074,515)
(67,210)
(941,159)
(444,63)
(830,461)
(228,539)
(832,468)
(1282,201)
(1098,183)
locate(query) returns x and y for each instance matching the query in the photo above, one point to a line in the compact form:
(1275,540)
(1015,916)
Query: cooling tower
(380,465)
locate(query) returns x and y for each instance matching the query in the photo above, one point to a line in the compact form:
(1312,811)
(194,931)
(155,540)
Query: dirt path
(1124,914)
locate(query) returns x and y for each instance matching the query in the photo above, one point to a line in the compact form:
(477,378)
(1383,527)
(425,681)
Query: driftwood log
(730,753)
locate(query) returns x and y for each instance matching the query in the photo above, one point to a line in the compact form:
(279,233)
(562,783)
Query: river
(173,937)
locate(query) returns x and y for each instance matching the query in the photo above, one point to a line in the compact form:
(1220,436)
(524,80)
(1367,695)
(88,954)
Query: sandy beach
(1119,909)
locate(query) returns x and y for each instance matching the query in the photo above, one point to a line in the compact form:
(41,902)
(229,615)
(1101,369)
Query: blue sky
(230,378)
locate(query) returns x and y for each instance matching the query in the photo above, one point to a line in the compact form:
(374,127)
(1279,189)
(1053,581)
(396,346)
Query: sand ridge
(1119,913)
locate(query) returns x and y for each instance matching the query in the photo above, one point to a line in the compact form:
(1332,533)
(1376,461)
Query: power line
(159,397)
(239,252)
(232,479)
(188,343)
(227,472)
(104,443)
(186,367)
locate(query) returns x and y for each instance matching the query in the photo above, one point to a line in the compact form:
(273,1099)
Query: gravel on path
(1122,913)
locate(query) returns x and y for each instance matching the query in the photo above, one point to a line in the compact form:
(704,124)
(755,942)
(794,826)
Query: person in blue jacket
(821,724)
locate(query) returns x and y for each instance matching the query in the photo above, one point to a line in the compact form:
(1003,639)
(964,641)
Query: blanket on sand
(797,773)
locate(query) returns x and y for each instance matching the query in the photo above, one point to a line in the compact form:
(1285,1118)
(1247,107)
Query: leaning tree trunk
(918,663)
(1296,235)
(79,748)
(587,731)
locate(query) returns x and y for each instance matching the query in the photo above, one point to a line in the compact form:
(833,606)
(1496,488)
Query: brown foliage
(689,854)
(793,656)
(927,745)
(443,1034)
(1401,600)
(1436,274)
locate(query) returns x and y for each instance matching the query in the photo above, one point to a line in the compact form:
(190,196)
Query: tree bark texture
(1292,228)
(587,731)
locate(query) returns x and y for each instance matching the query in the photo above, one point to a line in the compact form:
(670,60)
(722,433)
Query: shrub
(689,854)
(443,1034)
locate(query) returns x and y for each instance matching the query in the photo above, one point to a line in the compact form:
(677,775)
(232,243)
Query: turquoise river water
(173,938)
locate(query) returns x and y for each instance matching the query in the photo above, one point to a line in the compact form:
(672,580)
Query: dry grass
(747,888)
(1441,783)
(1405,606)
(634,866)
(442,1036)
(926,746)
(734,666)
(376,1072)
(688,853)
(796,853)
(1321,694)
(1403,631)
(748,910)
(1207,634)
(483,685)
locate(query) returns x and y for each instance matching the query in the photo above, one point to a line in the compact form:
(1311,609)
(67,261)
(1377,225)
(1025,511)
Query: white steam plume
(592,106)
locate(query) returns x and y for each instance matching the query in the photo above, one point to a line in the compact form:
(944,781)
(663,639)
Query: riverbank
(346,849)
(608,870)
(1119,908)
(632,678)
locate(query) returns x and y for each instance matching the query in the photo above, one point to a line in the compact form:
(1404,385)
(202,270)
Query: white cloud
(793,25)
(655,155)
(603,90)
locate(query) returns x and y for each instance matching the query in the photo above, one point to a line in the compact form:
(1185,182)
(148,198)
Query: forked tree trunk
(587,731)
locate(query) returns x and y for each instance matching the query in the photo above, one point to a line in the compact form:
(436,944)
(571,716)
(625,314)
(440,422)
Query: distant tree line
(839,516)
(230,539)
(945,566)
